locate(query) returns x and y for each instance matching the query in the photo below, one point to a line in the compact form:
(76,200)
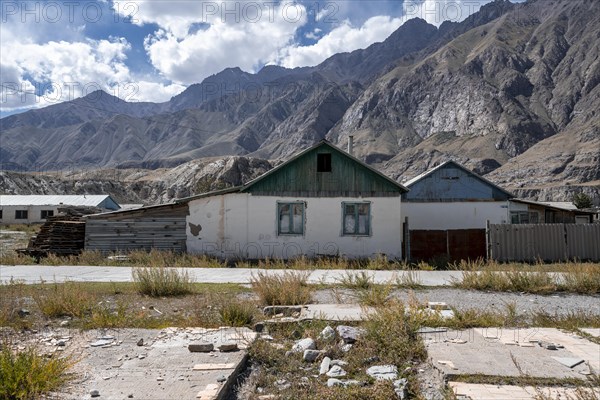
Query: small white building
(450,196)
(523,211)
(323,201)
(29,209)
(447,209)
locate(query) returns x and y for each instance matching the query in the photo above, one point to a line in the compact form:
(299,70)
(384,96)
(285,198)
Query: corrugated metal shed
(103,201)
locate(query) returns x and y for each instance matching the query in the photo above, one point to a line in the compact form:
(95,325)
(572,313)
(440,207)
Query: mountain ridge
(512,84)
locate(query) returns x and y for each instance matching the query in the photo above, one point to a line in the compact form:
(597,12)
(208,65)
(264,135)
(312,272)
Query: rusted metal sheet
(450,245)
(546,242)
(466,244)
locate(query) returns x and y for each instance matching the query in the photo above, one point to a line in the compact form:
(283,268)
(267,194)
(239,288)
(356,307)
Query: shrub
(27,375)
(287,288)
(237,314)
(63,299)
(359,280)
(11,300)
(391,334)
(162,281)
(376,295)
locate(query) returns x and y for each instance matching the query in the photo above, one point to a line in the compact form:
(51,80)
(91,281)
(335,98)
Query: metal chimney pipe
(351,145)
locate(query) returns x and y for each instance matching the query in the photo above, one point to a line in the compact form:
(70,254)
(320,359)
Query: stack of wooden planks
(60,235)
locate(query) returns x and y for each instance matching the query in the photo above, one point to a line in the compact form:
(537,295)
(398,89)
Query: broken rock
(304,344)
(327,334)
(201,347)
(310,355)
(230,346)
(383,372)
(349,334)
(336,372)
(325,364)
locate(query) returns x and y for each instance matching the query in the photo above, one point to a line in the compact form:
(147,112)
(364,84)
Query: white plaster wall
(33,214)
(239,225)
(454,215)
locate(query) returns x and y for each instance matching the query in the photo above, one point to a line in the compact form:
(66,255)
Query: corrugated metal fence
(547,242)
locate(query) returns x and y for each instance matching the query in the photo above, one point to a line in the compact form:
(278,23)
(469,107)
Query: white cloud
(155,92)
(248,44)
(36,73)
(341,39)
(63,70)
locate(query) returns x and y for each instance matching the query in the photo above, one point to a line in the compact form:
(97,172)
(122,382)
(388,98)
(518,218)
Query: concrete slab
(493,352)
(569,362)
(591,331)
(504,392)
(34,273)
(163,368)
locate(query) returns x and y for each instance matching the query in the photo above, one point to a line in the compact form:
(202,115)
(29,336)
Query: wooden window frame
(292,204)
(21,214)
(356,218)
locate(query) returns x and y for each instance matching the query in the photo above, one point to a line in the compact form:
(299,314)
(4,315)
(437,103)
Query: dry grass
(575,278)
(112,305)
(356,280)
(375,296)
(64,299)
(162,281)
(409,280)
(26,375)
(238,313)
(11,301)
(389,337)
(287,288)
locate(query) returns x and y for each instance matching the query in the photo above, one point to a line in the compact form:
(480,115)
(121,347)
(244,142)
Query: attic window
(450,178)
(324,162)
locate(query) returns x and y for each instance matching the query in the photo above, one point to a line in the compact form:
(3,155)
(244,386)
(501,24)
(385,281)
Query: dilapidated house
(323,201)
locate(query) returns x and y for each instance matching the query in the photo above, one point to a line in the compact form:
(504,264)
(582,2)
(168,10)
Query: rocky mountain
(140,186)
(520,82)
(511,92)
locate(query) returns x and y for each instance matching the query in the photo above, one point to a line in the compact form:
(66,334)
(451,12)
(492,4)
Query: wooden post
(488,242)
(406,240)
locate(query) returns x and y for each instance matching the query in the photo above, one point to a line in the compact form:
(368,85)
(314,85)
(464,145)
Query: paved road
(35,273)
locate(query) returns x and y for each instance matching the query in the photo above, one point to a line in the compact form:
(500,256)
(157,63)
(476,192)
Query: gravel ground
(465,299)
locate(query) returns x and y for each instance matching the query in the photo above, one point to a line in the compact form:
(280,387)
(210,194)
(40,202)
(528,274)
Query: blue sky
(151,50)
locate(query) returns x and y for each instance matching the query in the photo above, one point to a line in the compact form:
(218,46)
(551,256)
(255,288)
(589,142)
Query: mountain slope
(512,92)
(489,95)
